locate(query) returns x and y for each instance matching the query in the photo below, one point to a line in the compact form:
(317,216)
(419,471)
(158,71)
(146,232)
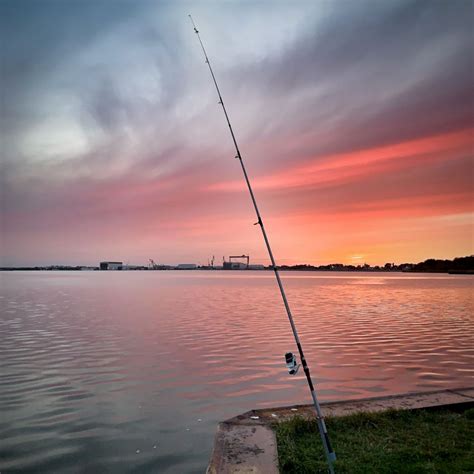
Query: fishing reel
(291,363)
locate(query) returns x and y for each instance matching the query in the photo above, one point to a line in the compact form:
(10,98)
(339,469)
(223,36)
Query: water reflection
(130,371)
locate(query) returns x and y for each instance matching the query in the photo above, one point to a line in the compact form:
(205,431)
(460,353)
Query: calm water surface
(131,371)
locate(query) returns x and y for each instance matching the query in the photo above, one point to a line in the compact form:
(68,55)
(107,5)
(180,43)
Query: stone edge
(246,444)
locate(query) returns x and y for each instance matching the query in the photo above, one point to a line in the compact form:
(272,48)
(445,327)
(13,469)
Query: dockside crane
(246,257)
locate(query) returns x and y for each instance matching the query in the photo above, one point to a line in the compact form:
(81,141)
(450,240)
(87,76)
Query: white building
(111,265)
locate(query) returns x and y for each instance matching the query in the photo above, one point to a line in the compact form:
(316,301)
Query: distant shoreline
(458,266)
(346,270)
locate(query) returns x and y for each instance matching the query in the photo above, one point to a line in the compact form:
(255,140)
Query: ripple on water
(97,366)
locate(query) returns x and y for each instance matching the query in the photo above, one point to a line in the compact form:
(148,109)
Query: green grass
(396,441)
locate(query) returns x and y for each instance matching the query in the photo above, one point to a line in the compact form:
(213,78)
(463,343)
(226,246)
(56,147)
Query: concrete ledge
(246,444)
(244,449)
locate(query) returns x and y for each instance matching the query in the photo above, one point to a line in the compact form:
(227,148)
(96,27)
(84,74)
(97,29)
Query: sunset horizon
(355,125)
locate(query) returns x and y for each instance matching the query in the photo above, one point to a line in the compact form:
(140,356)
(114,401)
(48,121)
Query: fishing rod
(290,360)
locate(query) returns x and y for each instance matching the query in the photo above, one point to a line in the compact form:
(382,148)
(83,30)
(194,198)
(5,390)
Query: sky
(354,120)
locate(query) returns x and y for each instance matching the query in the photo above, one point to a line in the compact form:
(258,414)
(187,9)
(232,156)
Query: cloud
(376,75)
(110,120)
(356,165)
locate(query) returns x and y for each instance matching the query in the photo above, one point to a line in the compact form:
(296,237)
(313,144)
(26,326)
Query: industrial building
(111,265)
(186,266)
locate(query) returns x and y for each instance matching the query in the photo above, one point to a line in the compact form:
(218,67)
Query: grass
(396,441)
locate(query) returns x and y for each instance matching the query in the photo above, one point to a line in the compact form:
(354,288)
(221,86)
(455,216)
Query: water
(131,371)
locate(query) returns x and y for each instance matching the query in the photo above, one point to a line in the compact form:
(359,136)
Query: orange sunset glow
(358,140)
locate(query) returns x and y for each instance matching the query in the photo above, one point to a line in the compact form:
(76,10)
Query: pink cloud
(336,168)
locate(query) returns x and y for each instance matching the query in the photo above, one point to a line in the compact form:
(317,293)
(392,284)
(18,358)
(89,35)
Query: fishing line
(330,454)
